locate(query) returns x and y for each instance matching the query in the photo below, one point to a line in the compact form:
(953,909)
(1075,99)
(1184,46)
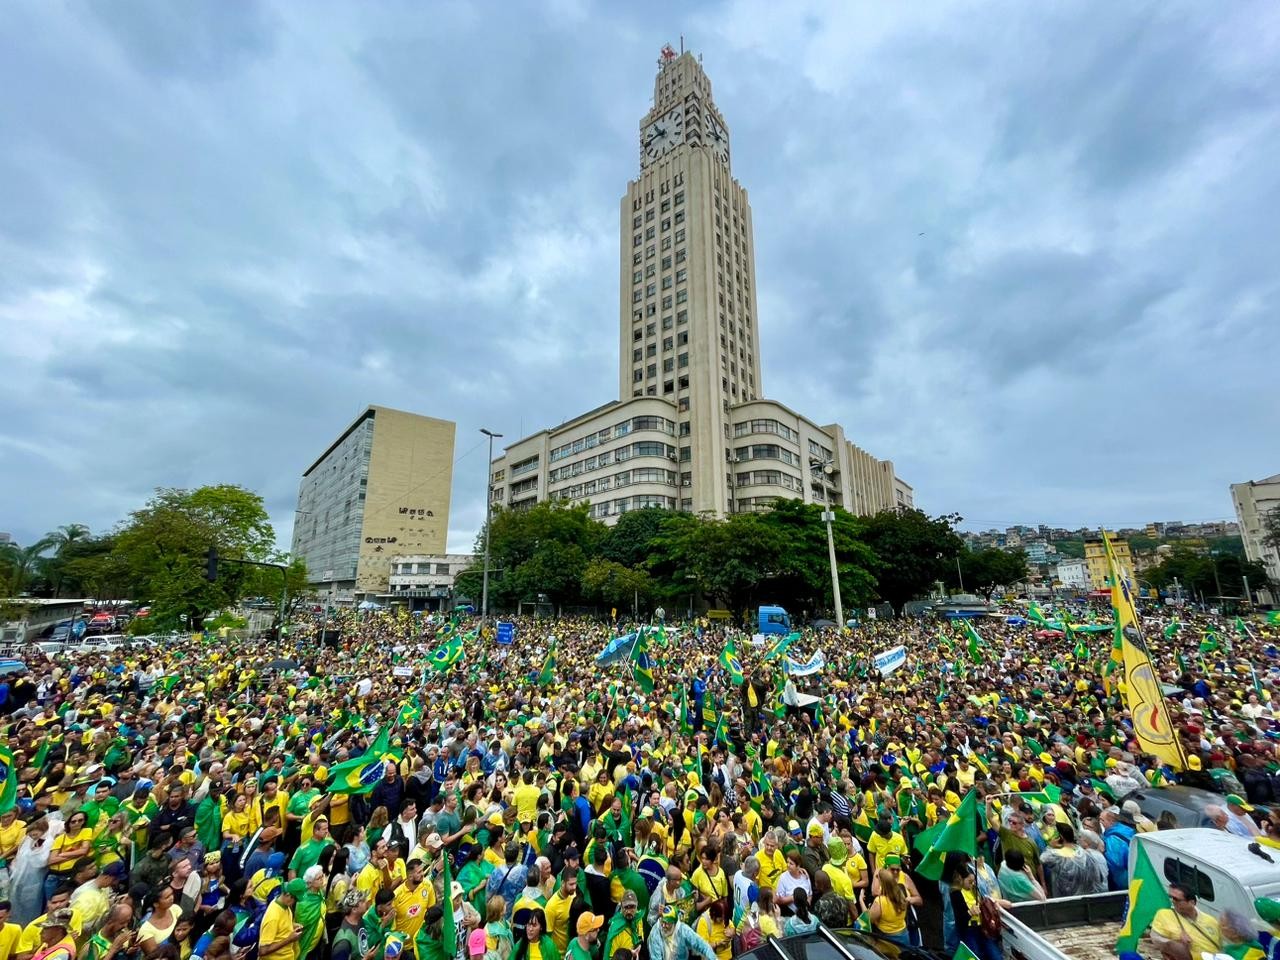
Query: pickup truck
(1219,867)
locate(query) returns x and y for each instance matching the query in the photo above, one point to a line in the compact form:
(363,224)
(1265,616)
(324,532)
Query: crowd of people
(176,802)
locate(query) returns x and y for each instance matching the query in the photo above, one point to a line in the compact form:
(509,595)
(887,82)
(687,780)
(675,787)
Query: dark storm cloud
(1028,254)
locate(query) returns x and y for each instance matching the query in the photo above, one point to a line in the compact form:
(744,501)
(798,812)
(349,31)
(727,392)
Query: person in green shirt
(113,937)
(209,818)
(101,804)
(308,853)
(377,922)
(582,947)
(1016,882)
(617,825)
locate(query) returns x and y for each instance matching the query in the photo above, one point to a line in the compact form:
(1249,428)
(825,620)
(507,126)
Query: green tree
(541,550)
(19,566)
(164,544)
(629,540)
(614,583)
(268,583)
(984,570)
(913,551)
(728,559)
(802,578)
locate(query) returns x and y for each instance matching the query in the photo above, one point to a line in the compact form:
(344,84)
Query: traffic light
(211,569)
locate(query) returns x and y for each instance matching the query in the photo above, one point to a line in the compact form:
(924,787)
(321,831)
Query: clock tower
(689,332)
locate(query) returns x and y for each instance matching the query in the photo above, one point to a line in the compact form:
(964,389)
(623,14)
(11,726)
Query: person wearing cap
(673,939)
(56,940)
(345,944)
(278,935)
(583,946)
(1238,820)
(626,929)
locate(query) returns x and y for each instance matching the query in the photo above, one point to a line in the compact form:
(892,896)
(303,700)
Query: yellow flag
(1145,700)
(1121,588)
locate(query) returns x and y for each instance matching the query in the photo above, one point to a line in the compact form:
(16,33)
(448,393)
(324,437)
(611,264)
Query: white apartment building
(691,429)
(1073,573)
(425,581)
(1254,500)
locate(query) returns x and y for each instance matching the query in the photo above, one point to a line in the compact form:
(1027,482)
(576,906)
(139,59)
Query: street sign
(506,632)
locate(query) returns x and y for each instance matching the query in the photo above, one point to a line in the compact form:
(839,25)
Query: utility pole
(488,508)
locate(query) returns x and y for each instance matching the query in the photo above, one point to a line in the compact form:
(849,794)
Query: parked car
(1185,803)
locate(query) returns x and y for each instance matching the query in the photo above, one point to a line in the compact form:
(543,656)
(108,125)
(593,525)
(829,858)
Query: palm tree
(66,535)
(19,564)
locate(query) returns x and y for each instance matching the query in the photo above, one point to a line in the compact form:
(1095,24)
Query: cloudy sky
(1027,251)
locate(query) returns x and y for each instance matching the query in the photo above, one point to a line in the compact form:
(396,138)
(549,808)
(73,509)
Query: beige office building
(1254,500)
(380,490)
(691,429)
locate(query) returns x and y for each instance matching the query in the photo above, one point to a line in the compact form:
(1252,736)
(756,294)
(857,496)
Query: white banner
(812,665)
(890,660)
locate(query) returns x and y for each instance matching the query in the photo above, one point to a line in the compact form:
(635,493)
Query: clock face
(662,135)
(717,138)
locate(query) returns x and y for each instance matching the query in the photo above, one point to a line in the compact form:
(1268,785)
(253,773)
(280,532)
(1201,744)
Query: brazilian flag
(410,712)
(446,655)
(729,660)
(642,664)
(166,684)
(974,640)
(8,780)
(361,774)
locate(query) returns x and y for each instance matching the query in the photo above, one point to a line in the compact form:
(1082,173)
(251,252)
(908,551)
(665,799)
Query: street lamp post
(826,468)
(488,507)
(828,516)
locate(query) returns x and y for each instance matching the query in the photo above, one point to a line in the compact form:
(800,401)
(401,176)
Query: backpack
(990,918)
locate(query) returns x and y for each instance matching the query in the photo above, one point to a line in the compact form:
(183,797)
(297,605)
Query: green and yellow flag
(449,924)
(973,640)
(729,660)
(446,655)
(548,674)
(361,774)
(8,780)
(410,712)
(960,833)
(1146,896)
(1144,697)
(642,664)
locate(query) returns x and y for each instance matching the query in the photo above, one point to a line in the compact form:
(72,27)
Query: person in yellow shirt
(278,936)
(12,831)
(772,862)
(378,873)
(413,899)
(709,879)
(751,821)
(558,906)
(838,856)
(526,797)
(9,933)
(29,942)
(1181,930)
(884,842)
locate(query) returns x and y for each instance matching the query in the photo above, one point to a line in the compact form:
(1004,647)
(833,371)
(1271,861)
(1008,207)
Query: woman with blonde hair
(888,913)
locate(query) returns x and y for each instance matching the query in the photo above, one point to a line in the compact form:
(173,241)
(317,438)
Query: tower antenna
(682,44)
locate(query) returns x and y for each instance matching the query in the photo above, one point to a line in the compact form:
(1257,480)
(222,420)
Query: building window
(683,338)
(442,569)
(686,454)
(637,355)
(666,281)
(680,236)
(681,276)
(682,317)
(684,385)
(683,404)
(666,301)
(684,428)
(684,359)
(668,365)
(666,323)
(651,371)
(637,376)
(651,350)
(682,296)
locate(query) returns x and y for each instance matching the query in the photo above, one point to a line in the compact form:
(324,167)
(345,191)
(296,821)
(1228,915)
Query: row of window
(408,569)
(642,448)
(767,451)
(651,329)
(615,507)
(665,188)
(660,424)
(622,479)
(765,426)
(769,478)
(524,466)
(818,450)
